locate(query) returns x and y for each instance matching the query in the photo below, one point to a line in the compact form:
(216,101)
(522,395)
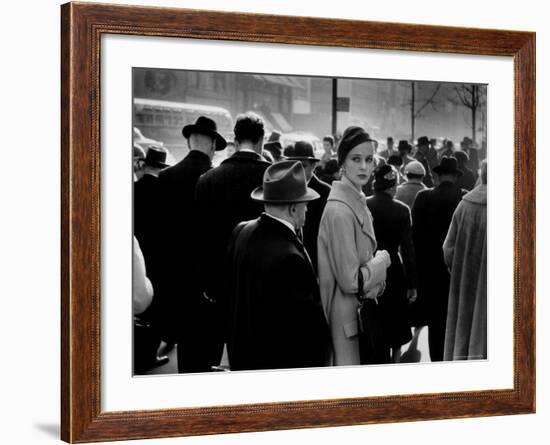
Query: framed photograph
(216,274)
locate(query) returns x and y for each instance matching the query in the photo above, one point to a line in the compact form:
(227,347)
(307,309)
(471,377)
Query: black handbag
(373,347)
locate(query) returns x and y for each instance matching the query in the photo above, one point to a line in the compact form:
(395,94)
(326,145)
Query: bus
(163,121)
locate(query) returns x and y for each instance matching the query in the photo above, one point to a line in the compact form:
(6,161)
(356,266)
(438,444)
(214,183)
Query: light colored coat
(407,192)
(465,253)
(346,245)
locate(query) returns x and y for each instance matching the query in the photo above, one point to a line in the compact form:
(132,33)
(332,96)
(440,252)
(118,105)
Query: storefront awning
(286,81)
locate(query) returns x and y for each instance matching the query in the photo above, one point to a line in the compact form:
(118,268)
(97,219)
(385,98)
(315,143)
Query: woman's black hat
(352,137)
(385,177)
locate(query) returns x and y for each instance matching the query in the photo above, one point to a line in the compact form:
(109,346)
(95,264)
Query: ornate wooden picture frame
(82,27)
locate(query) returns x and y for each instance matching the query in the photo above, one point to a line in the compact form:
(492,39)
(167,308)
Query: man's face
(390,144)
(298,212)
(309,166)
(327,146)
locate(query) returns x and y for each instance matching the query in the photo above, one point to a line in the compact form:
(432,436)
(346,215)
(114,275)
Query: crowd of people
(289,260)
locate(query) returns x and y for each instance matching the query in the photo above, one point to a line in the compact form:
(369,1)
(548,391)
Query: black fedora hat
(275,136)
(155,157)
(273,145)
(404,145)
(448,165)
(275,149)
(423,140)
(395,160)
(205,125)
(301,151)
(284,182)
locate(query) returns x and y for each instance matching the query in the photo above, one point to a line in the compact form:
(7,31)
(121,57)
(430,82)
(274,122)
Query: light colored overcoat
(465,252)
(407,192)
(346,246)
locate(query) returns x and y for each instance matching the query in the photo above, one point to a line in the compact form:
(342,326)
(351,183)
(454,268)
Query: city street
(416,351)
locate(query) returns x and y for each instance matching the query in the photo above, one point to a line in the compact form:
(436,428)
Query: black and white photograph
(337,290)
(285,221)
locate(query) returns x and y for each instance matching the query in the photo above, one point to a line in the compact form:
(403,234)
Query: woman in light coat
(465,253)
(347,246)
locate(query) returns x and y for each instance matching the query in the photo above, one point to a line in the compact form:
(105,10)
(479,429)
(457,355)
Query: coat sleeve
(450,239)
(142,288)
(343,257)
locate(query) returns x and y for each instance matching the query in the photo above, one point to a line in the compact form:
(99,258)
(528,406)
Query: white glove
(384,256)
(376,291)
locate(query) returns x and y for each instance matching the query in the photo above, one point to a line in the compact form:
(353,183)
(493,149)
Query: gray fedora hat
(284,182)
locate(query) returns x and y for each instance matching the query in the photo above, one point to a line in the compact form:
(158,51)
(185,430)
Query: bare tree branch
(429,101)
(465,95)
(472,97)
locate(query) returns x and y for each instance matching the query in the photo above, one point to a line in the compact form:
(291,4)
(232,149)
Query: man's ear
(291,209)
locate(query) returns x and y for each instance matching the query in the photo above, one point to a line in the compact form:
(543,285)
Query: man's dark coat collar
(265,219)
(315,181)
(198,155)
(246,156)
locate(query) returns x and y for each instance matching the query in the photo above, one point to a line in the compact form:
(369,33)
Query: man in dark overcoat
(467,146)
(223,200)
(146,208)
(423,156)
(149,238)
(468,180)
(432,213)
(303,151)
(274,147)
(277,319)
(182,301)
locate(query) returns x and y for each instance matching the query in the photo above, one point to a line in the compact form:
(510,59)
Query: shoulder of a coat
(423,194)
(211,173)
(402,207)
(337,204)
(204,177)
(322,185)
(336,210)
